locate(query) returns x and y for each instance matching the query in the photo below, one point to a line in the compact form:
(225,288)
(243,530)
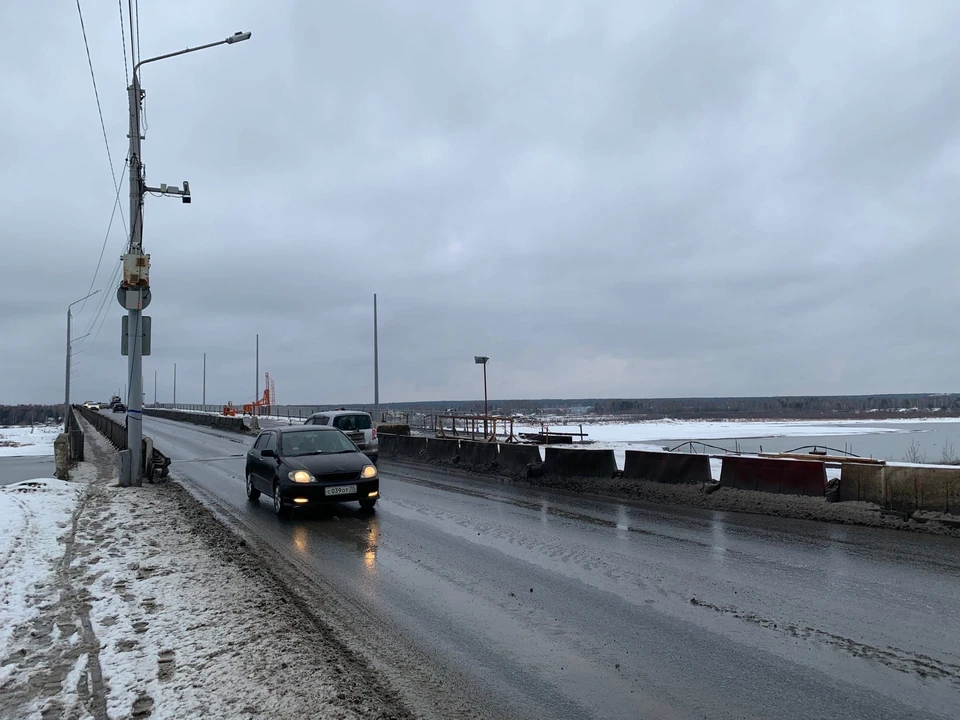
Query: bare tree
(914,453)
(949,455)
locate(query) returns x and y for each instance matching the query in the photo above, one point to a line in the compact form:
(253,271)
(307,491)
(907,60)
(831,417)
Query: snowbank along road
(481,599)
(138,603)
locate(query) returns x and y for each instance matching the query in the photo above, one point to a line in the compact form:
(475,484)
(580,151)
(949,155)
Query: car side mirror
(268,453)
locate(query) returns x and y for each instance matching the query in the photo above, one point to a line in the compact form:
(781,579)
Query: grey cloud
(608,198)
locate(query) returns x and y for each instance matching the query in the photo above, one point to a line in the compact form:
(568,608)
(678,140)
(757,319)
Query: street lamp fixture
(66,389)
(134,292)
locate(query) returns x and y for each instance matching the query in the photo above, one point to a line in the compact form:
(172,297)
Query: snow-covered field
(680,430)
(32,441)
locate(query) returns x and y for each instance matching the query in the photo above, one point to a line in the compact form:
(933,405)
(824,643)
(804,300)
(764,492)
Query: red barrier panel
(788,477)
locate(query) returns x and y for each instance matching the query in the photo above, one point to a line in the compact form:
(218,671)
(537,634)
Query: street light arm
(237,37)
(81,299)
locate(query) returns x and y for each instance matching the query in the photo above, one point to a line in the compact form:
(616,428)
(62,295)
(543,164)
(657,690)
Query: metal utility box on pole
(376,365)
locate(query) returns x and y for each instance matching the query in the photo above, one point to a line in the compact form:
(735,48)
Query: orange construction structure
(269,398)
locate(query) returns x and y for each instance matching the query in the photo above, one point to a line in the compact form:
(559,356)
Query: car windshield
(352,422)
(314,442)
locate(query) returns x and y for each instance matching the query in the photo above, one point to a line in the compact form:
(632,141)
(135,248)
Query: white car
(355,424)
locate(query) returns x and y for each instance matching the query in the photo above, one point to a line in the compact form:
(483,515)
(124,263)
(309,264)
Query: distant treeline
(795,408)
(29,414)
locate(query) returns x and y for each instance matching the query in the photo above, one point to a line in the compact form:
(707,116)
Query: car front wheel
(252,492)
(368,503)
(279,506)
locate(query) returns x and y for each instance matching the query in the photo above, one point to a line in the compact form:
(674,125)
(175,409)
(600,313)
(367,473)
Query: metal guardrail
(116,432)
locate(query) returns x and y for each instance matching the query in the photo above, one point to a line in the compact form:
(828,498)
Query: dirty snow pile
(122,603)
(28,441)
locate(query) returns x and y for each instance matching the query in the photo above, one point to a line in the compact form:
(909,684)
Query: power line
(137,5)
(103,129)
(96,94)
(134,51)
(111,281)
(103,247)
(123,40)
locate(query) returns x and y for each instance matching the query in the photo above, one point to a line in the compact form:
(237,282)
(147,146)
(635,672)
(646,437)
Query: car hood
(323,464)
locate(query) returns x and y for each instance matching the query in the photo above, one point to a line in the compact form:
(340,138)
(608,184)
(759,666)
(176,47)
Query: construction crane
(269,398)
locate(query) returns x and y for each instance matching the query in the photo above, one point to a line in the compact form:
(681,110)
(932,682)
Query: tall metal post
(66,397)
(485,412)
(376,365)
(204,381)
(133,295)
(154,388)
(134,292)
(483,360)
(256,396)
(174,383)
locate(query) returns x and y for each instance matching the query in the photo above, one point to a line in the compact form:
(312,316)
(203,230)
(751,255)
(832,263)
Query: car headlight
(369,471)
(301,476)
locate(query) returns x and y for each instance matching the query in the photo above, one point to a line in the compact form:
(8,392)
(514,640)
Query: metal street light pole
(66,393)
(134,292)
(376,365)
(204,381)
(481,360)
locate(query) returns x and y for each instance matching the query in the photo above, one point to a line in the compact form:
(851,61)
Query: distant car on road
(119,407)
(356,424)
(303,465)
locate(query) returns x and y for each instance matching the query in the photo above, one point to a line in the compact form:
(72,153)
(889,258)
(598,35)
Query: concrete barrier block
(388,444)
(861,482)
(478,454)
(514,458)
(410,446)
(574,462)
(443,449)
(789,477)
(899,489)
(666,467)
(953,496)
(909,488)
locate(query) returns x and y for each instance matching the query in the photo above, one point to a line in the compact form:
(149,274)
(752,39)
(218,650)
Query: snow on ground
(135,602)
(679,430)
(182,631)
(33,441)
(33,518)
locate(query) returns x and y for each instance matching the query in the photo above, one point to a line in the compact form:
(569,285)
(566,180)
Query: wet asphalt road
(490,600)
(18,469)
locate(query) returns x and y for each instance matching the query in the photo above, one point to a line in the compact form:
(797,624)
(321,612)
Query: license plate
(342,490)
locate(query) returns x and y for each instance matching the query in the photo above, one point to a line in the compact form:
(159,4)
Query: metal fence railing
(112,430)
(417,421)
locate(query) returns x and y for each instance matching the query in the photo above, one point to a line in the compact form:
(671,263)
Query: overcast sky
(608,198)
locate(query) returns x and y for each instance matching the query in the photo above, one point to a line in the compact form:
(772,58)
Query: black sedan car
(303,465)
